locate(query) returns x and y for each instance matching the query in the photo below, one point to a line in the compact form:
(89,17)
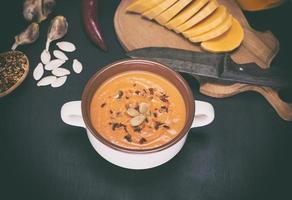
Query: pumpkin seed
(54,64)
(143,107)
(59,82)
(132,112)
(77,66)
(46,80)
(136,121)
(45,56)
(66,46)
(60,55)
(60,72)
(38,72)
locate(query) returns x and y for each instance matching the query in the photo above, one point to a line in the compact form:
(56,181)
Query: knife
(217,67)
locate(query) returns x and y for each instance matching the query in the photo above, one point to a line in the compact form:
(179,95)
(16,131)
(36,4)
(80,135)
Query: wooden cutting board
(135,32)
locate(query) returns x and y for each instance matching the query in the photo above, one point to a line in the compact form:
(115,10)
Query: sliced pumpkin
(207,24)
(255,5)
(172,11)
(215,32)
(228,41)
(202,14)
(158,9)
(140,6)
(186,14)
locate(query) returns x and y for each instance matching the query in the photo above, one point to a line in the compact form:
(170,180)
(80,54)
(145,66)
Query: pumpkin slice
(155,11)
(140,6)
(215,32)
(202,14)
(207,24)
(172,11)
(228,41)
(256,5)
(186,14)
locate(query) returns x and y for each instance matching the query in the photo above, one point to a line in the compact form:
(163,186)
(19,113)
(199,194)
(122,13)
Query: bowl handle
(71,114)
(204,114)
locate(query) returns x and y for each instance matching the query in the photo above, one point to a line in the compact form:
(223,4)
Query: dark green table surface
(244,154)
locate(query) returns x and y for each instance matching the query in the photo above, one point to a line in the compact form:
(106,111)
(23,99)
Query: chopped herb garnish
(164,98)
(142,140)
(118,125)
(111,112)
(128,137)
(157,125)
(166,126)
(151,90)
(137,129)
(102,105)
(114,126)
(163,108)
(155,114)
(137,92)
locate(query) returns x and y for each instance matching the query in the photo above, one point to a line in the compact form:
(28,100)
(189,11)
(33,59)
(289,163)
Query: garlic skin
(57,29)
(29,35)
(37,10)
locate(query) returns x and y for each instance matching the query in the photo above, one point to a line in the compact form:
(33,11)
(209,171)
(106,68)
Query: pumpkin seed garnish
(132,112)
(136,121)
(143,107)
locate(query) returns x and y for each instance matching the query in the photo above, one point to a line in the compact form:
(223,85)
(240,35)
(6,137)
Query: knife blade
(217,67)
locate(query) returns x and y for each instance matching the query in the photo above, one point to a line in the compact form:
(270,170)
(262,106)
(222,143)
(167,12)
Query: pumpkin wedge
(256,5)
(215,32)
(140,6)
(172,11)
(186,14)
(202,14)
(158,9)
(228,41)
(207,24)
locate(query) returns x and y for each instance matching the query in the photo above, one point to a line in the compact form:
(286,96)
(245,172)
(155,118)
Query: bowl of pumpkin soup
(137,113)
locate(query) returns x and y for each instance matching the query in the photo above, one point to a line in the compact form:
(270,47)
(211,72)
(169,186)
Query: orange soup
(138,110)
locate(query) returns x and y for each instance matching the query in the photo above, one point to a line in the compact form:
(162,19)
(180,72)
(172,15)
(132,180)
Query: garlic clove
(29,35)
(57,29)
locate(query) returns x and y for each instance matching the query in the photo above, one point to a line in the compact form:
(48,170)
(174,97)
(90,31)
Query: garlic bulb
(37,10)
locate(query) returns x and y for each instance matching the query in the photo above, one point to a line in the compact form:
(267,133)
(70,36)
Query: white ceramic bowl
(76,113)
